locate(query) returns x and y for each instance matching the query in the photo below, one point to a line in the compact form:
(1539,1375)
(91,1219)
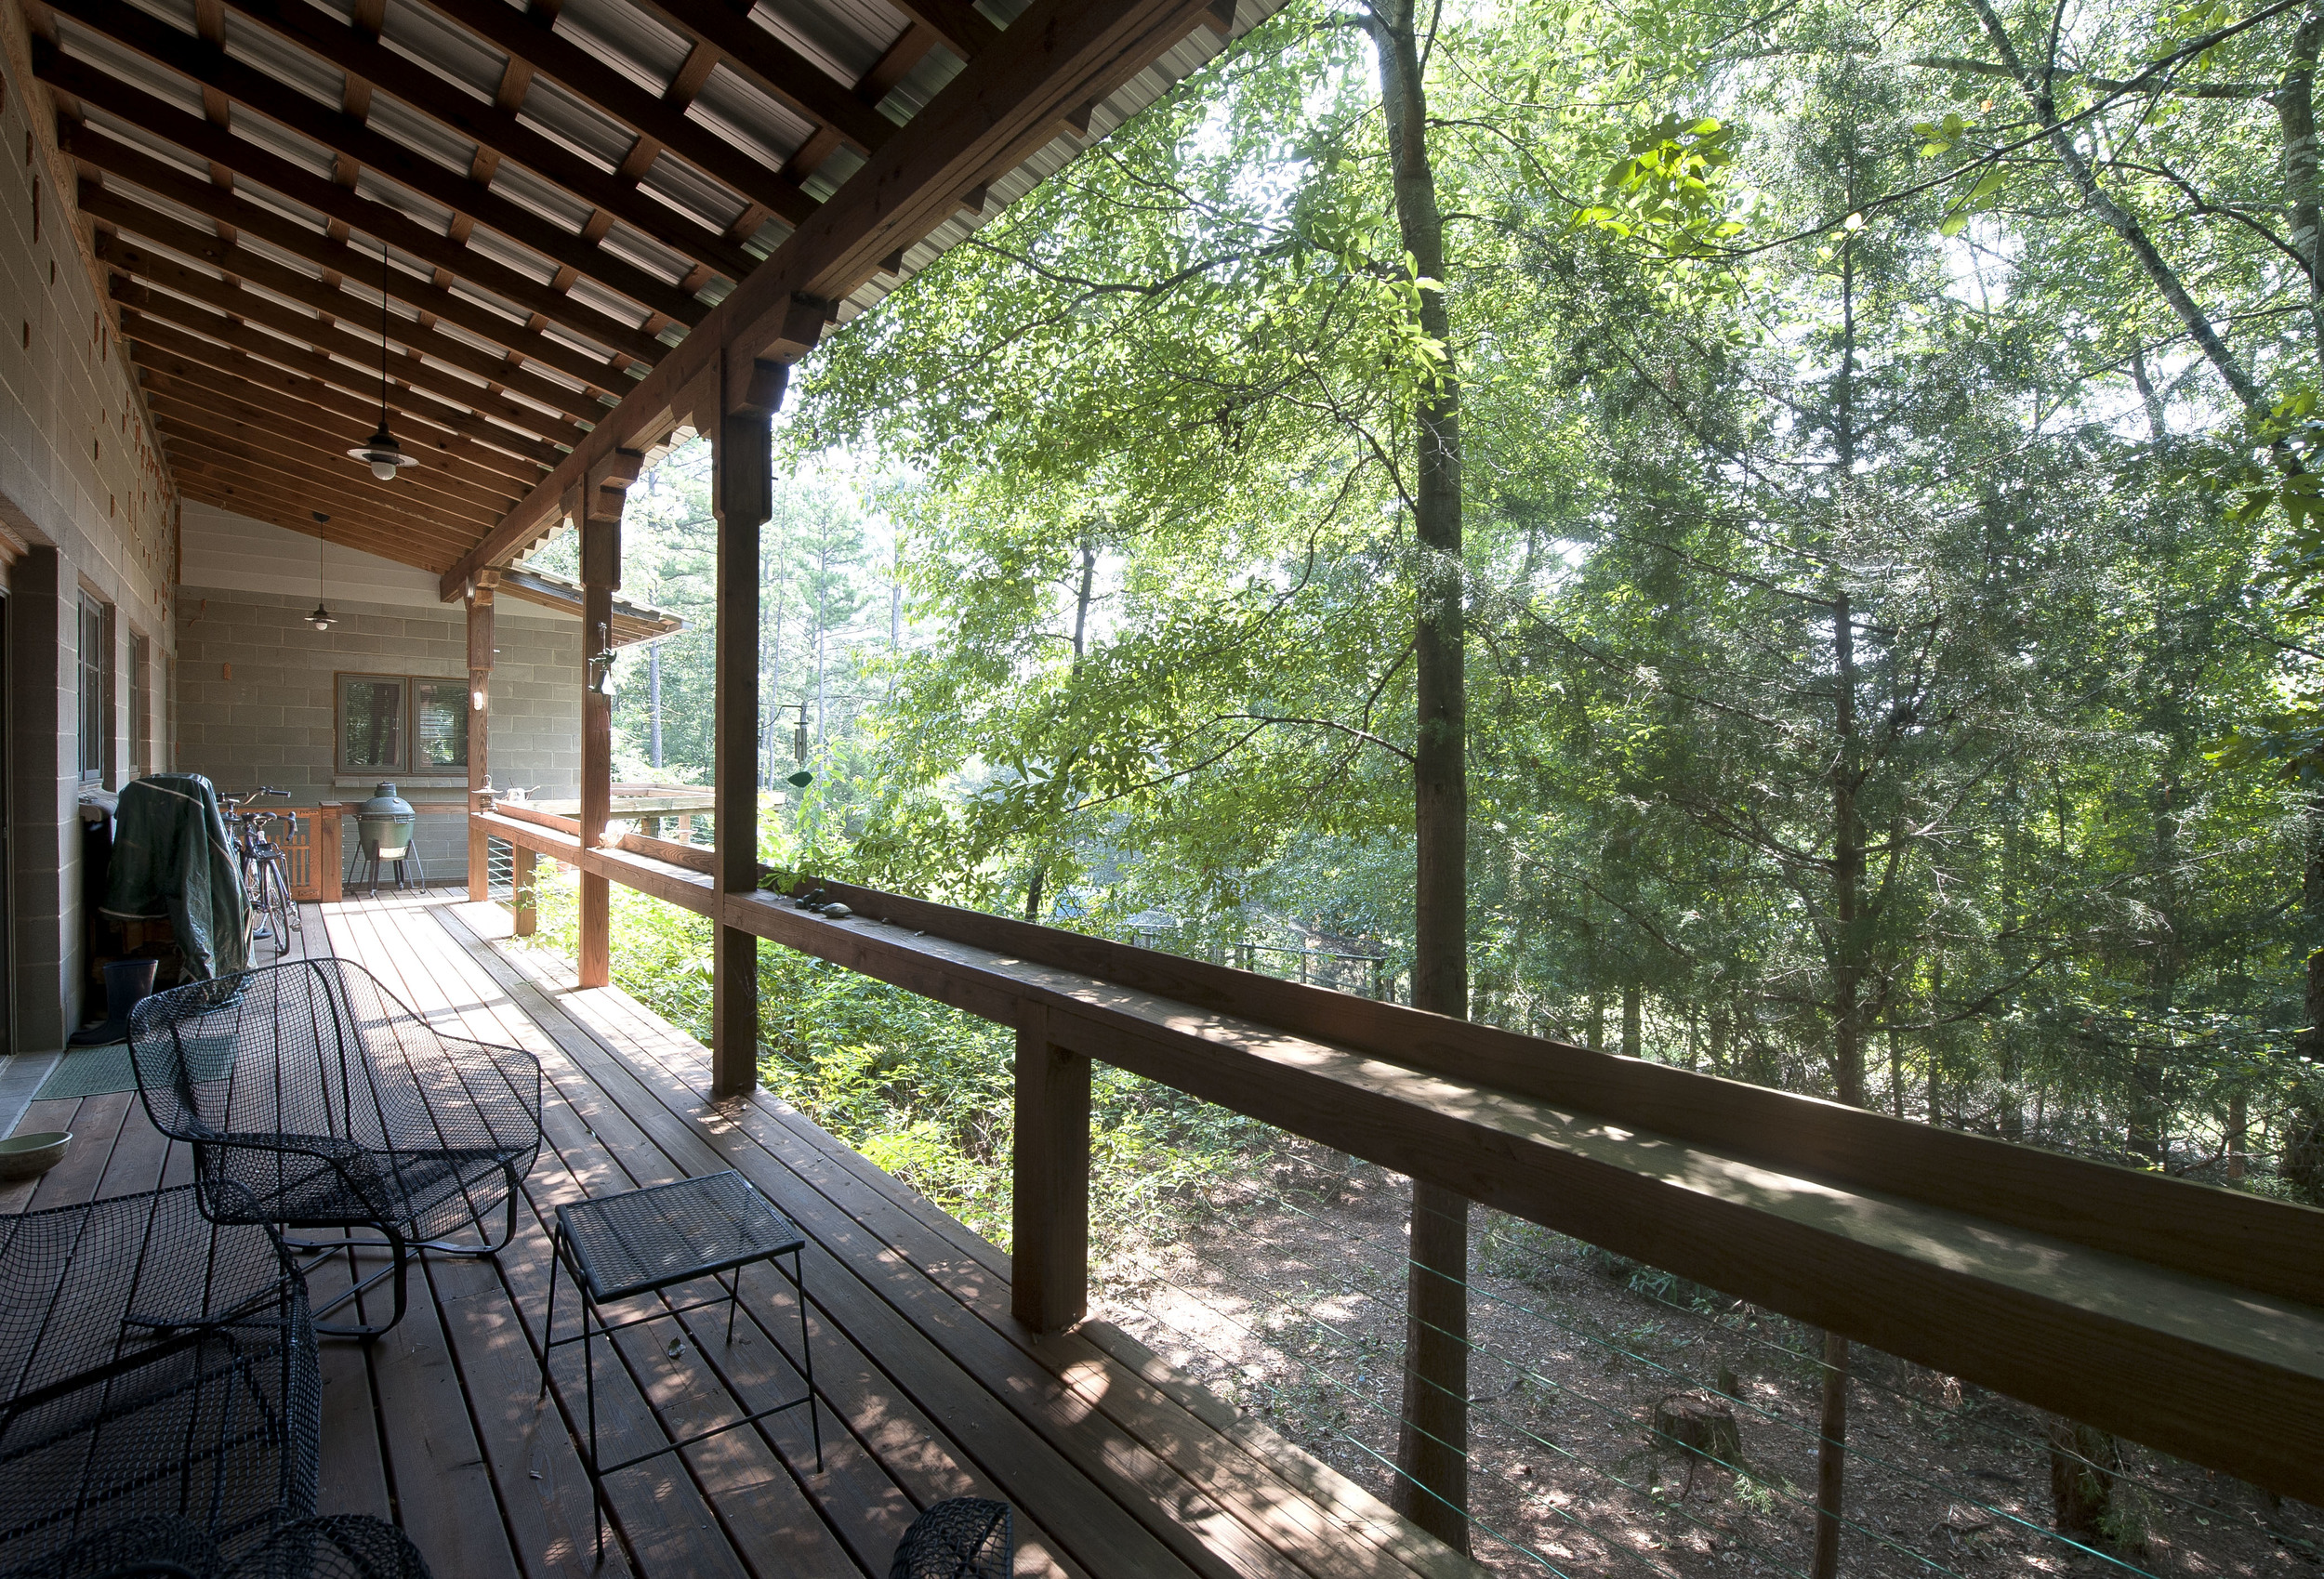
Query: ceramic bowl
(27,1156)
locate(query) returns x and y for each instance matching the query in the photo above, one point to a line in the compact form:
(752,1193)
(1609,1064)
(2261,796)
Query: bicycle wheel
(290,902)
(253,888)
(277,904)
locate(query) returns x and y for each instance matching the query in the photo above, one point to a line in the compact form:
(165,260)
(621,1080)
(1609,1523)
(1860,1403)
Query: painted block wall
(254,698)
(82,484)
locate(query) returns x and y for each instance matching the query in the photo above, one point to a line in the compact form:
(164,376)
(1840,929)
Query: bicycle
(264,867)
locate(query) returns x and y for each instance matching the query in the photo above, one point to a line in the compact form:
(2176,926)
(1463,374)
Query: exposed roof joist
(357,348)
(337,260)
(271,365)
(1006,103)
(245,159)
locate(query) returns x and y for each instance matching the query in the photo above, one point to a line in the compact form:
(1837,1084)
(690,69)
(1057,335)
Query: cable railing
(1325,1320)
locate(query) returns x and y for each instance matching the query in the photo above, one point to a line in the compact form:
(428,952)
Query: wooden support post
(328,855)
(742,497)
(523,894)
(601,503)
(479,674)
(1049,1255)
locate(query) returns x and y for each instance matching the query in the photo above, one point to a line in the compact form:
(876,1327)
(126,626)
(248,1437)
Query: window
(402,724)
(97,692)
(141,705)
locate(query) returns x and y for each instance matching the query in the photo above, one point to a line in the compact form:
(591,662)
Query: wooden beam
(962,26)
(215,411)
(601,503)
(315,467)
(358,350)
(268,476)
(742,497)
(196,135)
(264,358)
(759,56)
(163,353)
(1049,1251)
(994,112)
(199,483)
(479,674)
(529,36)
(338,259)
(351,136)
(500,132)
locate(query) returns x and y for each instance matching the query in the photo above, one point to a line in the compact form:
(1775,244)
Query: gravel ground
(1285,1295)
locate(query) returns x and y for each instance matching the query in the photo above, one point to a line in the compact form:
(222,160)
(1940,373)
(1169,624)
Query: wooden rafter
(1007,102)
(413,376)
(245,380)
(310,471)
(499,133)
(530,39)
(356,141)
(260,359)
(247,161)
(338,259)
(294,517)
(760,57)
(435,481)
(358,347)
(287,484)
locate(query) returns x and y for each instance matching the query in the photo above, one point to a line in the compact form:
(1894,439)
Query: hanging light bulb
(382,453)
(322,618)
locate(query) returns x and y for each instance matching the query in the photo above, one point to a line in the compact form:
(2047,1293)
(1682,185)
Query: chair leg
(807,1356)
(548,1317)
(399,1267)
(507,1229)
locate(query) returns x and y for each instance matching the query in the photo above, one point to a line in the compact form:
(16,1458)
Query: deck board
(925,1387)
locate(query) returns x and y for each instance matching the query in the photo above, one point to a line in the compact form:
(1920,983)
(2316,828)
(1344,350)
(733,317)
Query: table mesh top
(644,1239)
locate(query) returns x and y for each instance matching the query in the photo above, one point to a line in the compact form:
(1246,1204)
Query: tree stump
(2084,1463)
(1703,1429)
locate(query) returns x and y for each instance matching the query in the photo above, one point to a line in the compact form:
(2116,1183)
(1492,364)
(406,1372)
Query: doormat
(98,1071)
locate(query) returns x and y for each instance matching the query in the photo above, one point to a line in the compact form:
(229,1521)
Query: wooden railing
(2185,1317)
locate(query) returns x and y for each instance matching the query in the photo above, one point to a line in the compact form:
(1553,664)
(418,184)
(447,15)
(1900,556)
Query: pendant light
(382,453)
(322,618)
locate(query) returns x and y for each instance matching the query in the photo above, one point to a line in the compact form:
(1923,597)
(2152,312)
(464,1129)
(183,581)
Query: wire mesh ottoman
(640,1241)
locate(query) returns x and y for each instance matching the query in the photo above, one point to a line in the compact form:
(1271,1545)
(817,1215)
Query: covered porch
(928,1388)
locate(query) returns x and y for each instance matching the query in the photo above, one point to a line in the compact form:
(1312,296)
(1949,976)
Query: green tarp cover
(171,857)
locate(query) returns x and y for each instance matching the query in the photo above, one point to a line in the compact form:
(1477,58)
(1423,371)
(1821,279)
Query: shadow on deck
(928,1388)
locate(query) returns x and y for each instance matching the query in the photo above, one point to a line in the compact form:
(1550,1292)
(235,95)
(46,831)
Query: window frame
(93,717)
(408,760)
(140,704)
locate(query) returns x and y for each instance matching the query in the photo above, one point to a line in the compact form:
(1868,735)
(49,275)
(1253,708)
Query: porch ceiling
(565,192)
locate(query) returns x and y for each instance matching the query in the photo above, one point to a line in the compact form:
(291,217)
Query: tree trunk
(1632,1018)
(1433,1441)
(1832,1458)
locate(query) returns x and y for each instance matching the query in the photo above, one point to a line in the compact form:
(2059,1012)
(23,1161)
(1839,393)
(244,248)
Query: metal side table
(617,1247)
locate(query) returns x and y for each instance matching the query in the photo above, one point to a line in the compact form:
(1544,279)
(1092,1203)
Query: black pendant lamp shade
(382,453)
(322,618)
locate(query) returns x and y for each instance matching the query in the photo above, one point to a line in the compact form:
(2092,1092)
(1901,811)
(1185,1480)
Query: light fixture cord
(383,334)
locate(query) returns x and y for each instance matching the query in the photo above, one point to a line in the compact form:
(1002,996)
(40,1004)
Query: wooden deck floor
(927,1387)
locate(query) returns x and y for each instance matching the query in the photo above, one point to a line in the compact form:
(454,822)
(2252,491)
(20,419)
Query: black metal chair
(153,1365)
(346,1545)
(325,1103)
(962,1538)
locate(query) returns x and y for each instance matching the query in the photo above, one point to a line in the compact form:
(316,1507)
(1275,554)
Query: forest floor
(1284,1294)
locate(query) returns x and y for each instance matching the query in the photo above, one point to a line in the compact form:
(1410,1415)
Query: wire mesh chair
(327,1104)
(348,1545)
(962,1538)
(154,1365)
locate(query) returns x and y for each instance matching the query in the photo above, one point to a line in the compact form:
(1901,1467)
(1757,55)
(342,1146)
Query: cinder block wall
(254,699)
(83,490)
